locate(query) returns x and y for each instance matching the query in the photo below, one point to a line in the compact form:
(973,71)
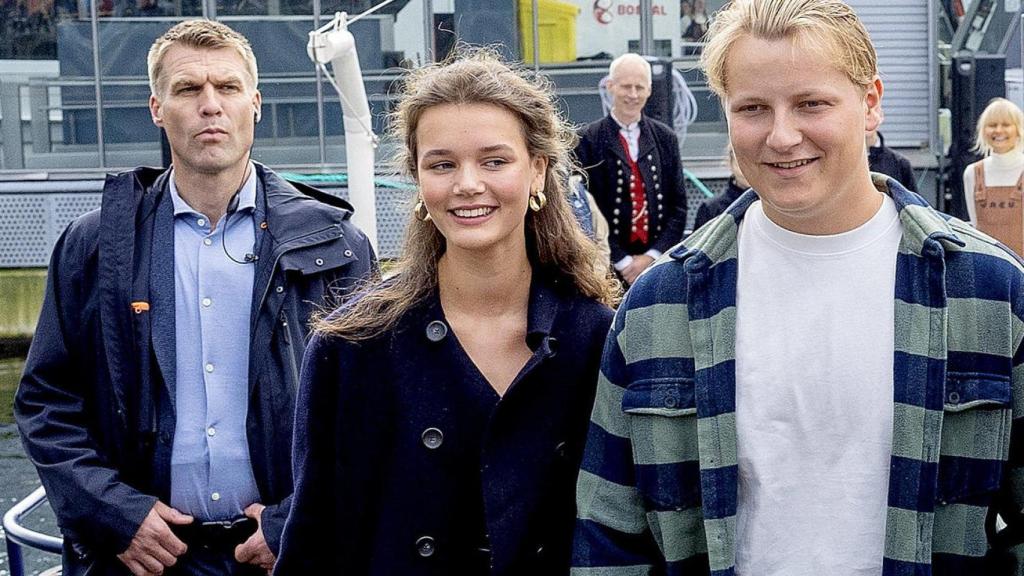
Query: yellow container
(556,30)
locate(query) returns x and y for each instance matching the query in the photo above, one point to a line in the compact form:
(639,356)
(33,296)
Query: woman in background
(993,185)
(441,415)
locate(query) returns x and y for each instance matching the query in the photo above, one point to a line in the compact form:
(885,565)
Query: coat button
(954,398)
(279,289)
(540,550)
(653,168)
(319,261)
(552,346)
(436,331)
(561,450)
(615,221)
(671,401)
(348,253)
(432,438)
(425,546)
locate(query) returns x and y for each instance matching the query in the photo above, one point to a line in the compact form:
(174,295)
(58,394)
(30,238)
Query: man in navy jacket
(158,394)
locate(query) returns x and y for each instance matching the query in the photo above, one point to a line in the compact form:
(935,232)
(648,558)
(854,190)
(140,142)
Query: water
(17,476)
(23,297)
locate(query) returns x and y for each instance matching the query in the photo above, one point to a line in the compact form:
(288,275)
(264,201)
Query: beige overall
(999,210)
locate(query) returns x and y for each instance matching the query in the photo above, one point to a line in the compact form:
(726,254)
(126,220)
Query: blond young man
(157,398)
(825,380)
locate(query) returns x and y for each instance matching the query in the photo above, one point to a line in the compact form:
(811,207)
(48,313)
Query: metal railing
(18,536)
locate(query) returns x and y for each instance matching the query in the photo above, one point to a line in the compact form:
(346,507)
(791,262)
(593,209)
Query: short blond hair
(828,24)
(998,109)
(205,34)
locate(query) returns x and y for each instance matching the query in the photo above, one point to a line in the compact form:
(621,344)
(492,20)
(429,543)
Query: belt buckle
(225,534)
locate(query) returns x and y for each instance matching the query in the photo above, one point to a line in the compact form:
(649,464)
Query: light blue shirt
(211,472)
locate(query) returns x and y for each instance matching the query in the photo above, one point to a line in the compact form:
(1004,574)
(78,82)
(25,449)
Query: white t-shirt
(1000,170)
(814,396)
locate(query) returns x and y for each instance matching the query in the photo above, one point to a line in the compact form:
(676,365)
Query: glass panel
(55,104)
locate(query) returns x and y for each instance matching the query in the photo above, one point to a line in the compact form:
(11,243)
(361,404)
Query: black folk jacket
(95,408)
(606,163)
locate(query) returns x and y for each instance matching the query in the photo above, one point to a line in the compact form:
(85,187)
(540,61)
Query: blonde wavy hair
(829,25)
(555,243)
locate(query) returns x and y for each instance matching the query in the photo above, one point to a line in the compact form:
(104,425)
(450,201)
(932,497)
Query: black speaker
(976,80)
(660,105)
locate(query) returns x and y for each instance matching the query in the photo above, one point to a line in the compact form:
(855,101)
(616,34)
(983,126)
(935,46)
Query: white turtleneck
(1000,170)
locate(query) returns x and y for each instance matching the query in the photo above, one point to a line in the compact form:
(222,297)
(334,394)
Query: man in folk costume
(634,172)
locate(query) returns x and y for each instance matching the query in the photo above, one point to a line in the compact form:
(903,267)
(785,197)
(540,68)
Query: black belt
(219,535)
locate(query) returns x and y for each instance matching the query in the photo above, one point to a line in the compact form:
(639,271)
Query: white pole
(338,47)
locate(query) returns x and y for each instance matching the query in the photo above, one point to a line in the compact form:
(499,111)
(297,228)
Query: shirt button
(209,367)
(425,546)
(211,431)
(215,496)
(207,241)
(207,302)
(436,331)
(432,438)
(954,398)
(201,222)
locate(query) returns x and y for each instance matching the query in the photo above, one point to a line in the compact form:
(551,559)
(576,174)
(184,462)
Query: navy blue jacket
(885,160)
(600,153)
(95,404)
(373,498)
(711,207)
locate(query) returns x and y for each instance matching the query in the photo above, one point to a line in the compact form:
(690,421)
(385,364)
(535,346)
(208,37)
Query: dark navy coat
(95,403)
(374,491)
(885,160)
(600,153)
(717,204)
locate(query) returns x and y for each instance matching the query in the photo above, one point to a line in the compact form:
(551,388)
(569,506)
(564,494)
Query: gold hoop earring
(420,211)
(538,201)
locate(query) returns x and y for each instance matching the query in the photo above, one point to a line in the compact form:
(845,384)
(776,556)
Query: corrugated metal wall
(903,33)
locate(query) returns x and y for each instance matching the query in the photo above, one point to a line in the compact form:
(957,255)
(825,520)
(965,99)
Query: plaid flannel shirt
(657,492)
